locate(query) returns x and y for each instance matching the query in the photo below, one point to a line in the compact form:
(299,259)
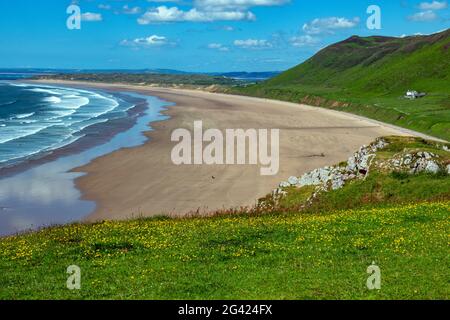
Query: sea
(37,119)
(37,123)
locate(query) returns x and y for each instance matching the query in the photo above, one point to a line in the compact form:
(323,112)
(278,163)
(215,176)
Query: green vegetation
(146,79)
(369,77)
(397,220)
(381,187)
(271,256)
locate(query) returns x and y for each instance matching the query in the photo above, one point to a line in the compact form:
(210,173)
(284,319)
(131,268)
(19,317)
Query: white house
(412,94)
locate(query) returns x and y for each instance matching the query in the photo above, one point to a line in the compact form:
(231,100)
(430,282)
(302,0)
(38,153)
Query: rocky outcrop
(414,163)
(335,177)
(358,167)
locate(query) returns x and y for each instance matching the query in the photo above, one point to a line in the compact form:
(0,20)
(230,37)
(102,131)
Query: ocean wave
(66,108)
(41,90)
(18,132)
(90,124)
(23,116)
(22,85)
(53,99)
(7,103)
(60,117)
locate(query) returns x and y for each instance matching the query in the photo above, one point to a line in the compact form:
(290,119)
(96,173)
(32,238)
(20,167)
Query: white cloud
(89,16)
(131,10)
(253,44)
(207,11)
(329,25)
(104,6)
(211,5)
(218,46)
(301,41)
(151,41)
(173,14)
(435,5)
(424,16)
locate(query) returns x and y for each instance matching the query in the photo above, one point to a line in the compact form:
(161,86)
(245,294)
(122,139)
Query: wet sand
(143,181)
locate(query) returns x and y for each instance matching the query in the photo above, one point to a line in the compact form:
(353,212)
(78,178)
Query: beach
(143,181)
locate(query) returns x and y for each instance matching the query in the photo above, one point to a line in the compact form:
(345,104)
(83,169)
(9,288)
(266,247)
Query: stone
(432,167)
(364,162)
(293,181)
(419,166)
(337,182)
(315,177)
(285,184)
(335,177)
(407,161)
(351,164)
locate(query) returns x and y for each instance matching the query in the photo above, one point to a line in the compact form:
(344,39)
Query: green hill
(369,76)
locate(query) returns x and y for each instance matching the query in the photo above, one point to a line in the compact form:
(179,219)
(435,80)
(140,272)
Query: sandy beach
(143,181)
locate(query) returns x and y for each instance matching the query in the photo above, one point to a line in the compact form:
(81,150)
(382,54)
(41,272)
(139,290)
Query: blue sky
(197,35)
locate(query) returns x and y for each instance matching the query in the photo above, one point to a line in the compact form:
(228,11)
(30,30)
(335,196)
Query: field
(397,220)
(318,256)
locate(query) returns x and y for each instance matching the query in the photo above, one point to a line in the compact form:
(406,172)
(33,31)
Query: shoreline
(142,181)
(152,88)
(43,193)
(92,136)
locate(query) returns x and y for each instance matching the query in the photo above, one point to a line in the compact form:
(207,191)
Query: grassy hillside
(369,76)
(237,257)
(398,220)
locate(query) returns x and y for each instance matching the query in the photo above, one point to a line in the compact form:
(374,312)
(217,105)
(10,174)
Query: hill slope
(265,257)
(369,76)
(398,219)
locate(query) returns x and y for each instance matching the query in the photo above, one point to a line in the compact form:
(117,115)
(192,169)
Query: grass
(369,77)
(382,187)
(429,115)
(398,221)
(146,79)
(317,256)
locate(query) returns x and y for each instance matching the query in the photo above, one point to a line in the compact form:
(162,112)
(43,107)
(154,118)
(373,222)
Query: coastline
(41,192)
(143,182)
(92,136)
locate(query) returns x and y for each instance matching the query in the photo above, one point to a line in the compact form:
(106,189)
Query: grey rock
(419,166)
(337,182)
(407,161)
(432,167)
(293,180)
(285,184)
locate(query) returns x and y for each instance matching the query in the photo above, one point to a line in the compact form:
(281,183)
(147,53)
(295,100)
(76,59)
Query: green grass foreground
(399,220)
(275,256)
